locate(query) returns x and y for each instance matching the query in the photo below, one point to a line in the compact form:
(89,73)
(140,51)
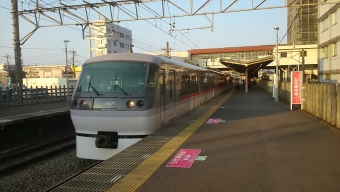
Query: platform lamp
(276,82)
(66,70)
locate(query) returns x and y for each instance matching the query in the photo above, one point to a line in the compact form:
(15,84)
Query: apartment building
(329,36)
(109,38)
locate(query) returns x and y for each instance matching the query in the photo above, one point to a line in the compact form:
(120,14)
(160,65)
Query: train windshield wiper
(126,93)
(94,89)
(120,88)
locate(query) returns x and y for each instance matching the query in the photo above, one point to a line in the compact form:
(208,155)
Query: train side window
(170,85)
(185,85)
(206,83)
(161,83)
(152,77)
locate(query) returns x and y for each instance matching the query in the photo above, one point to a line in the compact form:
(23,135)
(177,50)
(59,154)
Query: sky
(233,29)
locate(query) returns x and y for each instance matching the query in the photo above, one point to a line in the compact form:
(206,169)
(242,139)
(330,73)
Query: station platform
(236,142)
(20,113)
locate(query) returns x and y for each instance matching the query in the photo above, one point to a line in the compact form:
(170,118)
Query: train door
(162,95)
(171,96)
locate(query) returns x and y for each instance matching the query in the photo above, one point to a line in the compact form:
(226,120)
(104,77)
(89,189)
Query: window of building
(327,77)
(334,17)
(121,45)
(115,43)
(304,53)
(283,54)
(334,49)
(324,53)
(324,24)
(121,35)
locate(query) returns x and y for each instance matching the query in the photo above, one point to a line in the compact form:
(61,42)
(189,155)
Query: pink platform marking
(184,158)
(213,121)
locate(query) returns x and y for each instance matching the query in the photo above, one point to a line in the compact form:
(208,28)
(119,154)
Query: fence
(322,100)
(11,97)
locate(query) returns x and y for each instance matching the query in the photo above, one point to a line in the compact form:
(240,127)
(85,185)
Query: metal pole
(17,49)
(66,70)
(276,64)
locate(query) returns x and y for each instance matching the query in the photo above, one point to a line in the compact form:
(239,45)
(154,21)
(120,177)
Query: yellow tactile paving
(147,168)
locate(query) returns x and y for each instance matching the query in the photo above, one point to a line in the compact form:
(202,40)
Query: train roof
(145,58)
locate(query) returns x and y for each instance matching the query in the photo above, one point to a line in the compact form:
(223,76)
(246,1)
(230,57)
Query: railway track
(15,158)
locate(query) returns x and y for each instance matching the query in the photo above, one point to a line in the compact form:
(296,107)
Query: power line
(155,26)
(5,8)
(172,26)
(30,48)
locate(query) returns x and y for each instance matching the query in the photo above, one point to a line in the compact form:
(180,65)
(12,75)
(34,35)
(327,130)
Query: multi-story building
(302,22)
(109,38)
(329,36)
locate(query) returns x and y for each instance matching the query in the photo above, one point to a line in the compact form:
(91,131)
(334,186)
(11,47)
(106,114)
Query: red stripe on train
(195,94)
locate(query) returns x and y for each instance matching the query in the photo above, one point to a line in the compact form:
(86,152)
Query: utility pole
(17,49)
(303,65)
(66,70)
(167,50)
(74,70)
(276,82)
(9,81)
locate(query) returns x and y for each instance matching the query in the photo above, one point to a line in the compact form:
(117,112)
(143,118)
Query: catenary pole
(276,66)
(66,70)
(17,49)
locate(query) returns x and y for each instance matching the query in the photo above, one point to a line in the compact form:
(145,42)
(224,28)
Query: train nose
(106,140)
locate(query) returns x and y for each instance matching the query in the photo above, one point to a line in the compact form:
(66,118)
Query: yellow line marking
(42,111)
(147,168)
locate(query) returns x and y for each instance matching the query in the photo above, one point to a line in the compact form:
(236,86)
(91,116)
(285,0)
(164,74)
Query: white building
(109,38)
(291,59)
(329,35)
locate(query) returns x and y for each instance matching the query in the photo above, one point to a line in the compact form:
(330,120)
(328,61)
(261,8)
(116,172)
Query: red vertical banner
(296,87)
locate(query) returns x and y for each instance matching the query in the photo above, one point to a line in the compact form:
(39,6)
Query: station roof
(232,49)
(240,65)
(252,65)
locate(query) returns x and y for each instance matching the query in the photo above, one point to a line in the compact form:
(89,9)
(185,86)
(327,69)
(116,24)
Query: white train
(121,98)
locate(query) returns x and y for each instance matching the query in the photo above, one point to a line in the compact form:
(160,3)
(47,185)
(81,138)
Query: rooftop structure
(302,22)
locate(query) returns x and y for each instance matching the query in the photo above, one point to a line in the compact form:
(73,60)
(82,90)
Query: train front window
(106,77)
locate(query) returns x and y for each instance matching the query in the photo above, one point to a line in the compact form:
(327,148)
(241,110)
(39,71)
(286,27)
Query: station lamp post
(276,82)
(66,70)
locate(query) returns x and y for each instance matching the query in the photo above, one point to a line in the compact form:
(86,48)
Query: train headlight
(82,103)
(140,103)
(130,104)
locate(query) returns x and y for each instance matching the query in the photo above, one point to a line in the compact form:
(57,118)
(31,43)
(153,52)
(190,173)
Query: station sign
(296,90)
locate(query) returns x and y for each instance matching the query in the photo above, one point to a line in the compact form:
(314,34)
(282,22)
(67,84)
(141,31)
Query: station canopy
(253,65)
(252,58)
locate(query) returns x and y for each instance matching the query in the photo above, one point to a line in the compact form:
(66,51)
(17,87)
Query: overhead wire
(172,26)
(155,26)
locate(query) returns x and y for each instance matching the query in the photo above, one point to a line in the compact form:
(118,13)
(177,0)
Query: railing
(11,97)
(321,100)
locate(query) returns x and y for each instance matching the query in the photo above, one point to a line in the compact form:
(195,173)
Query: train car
(121,98)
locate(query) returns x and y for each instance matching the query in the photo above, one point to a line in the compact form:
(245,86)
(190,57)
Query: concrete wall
(319,99)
